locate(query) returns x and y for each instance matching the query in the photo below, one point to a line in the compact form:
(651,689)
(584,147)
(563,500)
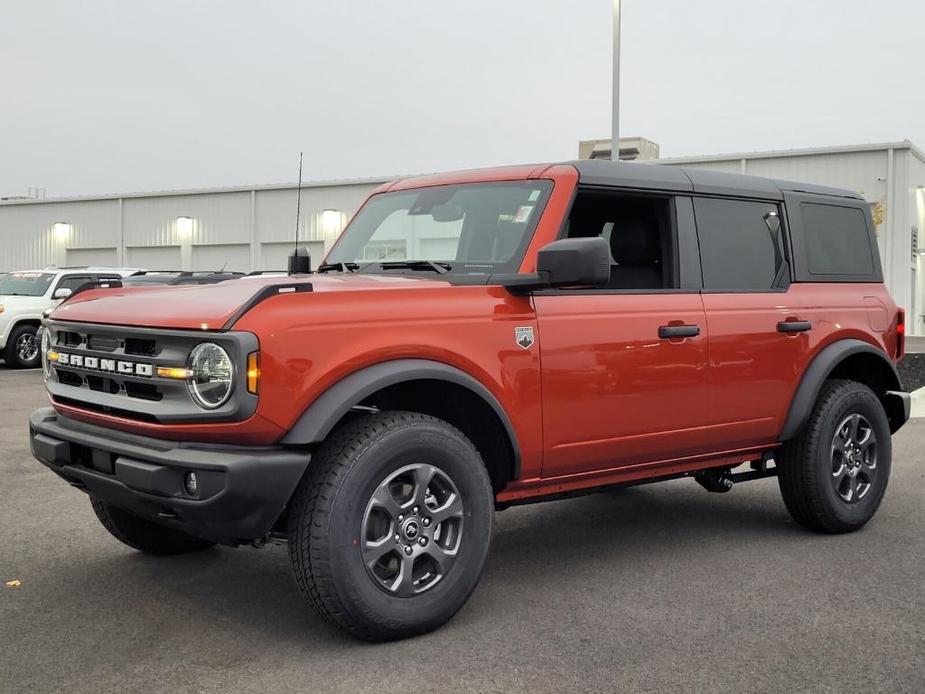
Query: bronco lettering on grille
(125,368)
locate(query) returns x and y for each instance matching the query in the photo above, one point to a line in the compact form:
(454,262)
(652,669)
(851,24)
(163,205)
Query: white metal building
(243,228)
(252,228)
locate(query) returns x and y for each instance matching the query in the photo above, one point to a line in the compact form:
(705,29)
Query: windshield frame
(456,267)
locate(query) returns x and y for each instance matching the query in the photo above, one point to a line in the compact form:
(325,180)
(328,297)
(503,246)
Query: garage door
(231,257)
(92,256)
(154,257)
(276,255)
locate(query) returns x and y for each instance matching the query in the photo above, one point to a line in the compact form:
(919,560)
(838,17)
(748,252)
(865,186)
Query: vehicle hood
(214,306)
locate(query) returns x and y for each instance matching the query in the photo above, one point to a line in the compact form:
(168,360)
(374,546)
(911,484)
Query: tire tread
(312,507)
(797,478)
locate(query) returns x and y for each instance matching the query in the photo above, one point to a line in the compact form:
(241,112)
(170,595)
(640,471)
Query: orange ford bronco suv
(476,340)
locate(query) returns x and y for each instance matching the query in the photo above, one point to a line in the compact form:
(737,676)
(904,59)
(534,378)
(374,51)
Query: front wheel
(22,349)
(390,530)
(834,474)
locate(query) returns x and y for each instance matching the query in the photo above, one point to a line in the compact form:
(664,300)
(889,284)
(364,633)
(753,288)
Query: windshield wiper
(439,268)
(340,267)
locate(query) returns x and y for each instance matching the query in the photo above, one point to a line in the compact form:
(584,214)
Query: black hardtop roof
(652,176)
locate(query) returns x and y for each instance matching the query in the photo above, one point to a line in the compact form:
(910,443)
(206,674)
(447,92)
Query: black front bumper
(241,491)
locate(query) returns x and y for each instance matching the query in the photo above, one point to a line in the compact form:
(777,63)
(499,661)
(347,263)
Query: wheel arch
(850,359)
(34,322)
(425,386)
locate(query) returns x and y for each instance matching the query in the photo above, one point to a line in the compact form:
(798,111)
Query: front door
(624,368)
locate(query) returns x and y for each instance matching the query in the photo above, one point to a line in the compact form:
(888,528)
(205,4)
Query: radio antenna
(298,206)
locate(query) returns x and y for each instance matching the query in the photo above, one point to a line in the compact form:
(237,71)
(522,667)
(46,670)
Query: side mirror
(62,293)
(579,262)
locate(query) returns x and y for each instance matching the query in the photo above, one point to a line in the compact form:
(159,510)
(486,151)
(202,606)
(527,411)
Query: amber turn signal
(253,372)
(176,372)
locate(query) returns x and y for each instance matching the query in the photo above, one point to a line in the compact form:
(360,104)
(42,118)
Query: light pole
(615,124)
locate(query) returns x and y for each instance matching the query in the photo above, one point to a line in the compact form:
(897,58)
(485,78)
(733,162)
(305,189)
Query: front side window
(739,249)
(638,230)
(72,282)
(469,228)
(25,283)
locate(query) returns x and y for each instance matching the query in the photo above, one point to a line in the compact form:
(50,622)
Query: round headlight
(46,345)
(211,375)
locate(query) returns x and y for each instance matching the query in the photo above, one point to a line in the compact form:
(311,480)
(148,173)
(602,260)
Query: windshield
(25,283)
(469,228)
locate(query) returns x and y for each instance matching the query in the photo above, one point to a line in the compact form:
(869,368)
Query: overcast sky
(120,96)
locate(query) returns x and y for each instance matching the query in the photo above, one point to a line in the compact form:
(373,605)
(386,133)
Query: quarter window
(739,249)
(837,240)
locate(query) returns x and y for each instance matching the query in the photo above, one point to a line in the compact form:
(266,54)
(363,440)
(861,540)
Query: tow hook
(717,481)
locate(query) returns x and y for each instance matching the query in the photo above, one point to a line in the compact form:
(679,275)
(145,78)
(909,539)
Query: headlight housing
(46,347)
(211,378)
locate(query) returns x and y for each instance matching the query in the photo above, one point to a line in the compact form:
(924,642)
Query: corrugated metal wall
(28,238)
(232,228)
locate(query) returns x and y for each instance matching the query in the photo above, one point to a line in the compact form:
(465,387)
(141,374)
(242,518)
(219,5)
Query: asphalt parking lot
(658,588)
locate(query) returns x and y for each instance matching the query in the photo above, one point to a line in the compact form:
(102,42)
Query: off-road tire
(326,516)
(144,535)
(11,353)
(805,463)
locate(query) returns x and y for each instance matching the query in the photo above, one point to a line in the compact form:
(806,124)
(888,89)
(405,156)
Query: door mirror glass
(577,262)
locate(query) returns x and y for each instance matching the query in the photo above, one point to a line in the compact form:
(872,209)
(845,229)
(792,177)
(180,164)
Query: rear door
(624,368)
(759,333)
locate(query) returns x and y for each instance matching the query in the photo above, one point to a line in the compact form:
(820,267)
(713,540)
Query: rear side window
(837,240)
(739,250)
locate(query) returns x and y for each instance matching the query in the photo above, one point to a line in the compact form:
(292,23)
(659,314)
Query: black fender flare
(819,370)
(321,416)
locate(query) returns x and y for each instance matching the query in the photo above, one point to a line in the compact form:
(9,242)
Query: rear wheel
(834,474)
(144,535)
(389,532)
(22,348)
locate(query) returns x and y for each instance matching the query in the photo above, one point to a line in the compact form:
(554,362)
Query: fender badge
(524,337)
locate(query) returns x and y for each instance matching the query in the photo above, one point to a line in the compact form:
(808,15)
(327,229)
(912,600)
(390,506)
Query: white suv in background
(26,295)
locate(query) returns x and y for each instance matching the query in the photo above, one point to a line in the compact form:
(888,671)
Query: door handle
(669,331)
(794,326)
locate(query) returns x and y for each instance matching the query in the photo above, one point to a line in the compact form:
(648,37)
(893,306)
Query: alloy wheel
(27,348)
(412,529)
(854,458)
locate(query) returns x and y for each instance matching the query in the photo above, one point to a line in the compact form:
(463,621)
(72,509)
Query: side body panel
(308,348)
(755,369)
(614,392)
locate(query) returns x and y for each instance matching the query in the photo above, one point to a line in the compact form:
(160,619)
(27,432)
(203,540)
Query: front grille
(140,348)
(101,384)
(143,391)
(114,370)
(69,378)
(102,343)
